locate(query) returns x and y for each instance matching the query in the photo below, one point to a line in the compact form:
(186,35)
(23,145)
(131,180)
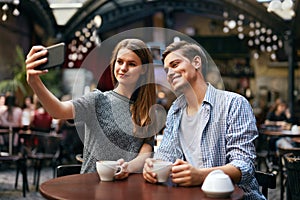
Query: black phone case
(56,56)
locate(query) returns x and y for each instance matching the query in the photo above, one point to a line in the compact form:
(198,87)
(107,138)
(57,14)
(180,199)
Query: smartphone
(56,56)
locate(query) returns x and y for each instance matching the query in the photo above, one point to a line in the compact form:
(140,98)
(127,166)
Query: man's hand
(147,172)
(184,174)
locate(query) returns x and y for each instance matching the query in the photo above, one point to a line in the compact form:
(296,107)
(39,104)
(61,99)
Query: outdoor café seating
(266,181)
(21,166)
(41,147)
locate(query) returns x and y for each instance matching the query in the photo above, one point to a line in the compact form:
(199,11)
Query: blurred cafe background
(254,43)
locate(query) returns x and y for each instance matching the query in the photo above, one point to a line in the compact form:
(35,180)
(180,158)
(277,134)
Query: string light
(6,7)
(259,37)
(276,5)
(4,17)
(284,9)
(83,41)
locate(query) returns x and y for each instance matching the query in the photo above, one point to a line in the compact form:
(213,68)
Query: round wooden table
(296,139)
(89,186)
(280,133)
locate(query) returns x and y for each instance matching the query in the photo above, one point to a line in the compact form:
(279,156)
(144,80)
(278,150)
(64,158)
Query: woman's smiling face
(128,67)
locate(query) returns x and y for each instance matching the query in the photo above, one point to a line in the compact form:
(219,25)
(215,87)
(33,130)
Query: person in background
(206,128)
(28,111)
(41,120)
(12,115)
(2,109)
(117,122)
(279,116)
(274,104)
(2,103)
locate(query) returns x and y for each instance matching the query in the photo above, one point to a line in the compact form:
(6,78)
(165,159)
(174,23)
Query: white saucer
(217,194)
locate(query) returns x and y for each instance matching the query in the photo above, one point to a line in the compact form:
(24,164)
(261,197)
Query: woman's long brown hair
(144,96)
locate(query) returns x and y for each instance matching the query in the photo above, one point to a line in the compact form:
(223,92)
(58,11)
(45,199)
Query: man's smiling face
(180,71)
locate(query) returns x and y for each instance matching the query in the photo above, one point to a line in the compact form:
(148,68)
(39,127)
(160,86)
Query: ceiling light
(273,56)
(274,5)
(98,21)
(16,12)
(4,17)
(16,2)
(225,29)
(283,9)
(231,24)
(256,55)
(241,36)
(287,4)
(5,7)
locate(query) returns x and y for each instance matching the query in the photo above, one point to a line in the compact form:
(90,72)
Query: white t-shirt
(190,137)
(26,116)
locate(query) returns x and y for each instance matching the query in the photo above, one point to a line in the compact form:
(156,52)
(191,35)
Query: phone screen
(56,57)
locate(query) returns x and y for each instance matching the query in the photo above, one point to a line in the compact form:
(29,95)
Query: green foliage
(18,83)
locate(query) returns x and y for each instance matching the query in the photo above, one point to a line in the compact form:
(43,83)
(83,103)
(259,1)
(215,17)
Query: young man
(206,128)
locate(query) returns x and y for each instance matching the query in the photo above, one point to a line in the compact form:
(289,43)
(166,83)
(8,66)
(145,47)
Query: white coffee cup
(162,170)
(108,169)
(295,129)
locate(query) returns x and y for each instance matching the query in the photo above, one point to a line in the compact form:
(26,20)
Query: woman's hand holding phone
(56,57)
(40,59)
(35,57)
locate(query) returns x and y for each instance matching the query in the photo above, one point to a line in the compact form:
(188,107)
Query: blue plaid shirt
(230,129)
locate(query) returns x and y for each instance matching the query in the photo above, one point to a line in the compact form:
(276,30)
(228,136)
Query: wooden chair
(266,181)
(64,170)
(79,158)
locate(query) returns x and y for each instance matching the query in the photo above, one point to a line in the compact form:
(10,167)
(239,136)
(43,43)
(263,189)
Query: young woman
(117,122)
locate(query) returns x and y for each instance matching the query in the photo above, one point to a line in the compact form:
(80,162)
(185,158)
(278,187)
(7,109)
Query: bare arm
(56,108)
(136,165)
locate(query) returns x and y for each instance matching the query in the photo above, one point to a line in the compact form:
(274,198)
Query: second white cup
(162,170)
(108,169)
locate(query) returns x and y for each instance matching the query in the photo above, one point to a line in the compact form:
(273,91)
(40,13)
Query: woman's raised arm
(56,108)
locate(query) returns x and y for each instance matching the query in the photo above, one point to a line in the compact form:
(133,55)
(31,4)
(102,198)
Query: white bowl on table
(217,184)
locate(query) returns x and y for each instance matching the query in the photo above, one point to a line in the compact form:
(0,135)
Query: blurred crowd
(31,116)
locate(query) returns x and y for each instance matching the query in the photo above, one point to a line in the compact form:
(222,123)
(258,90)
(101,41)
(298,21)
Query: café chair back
(21,166)
(266,180)
(282,168)
(262,152)
(41,147)
(292,164)
(65,170)
(79,158)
